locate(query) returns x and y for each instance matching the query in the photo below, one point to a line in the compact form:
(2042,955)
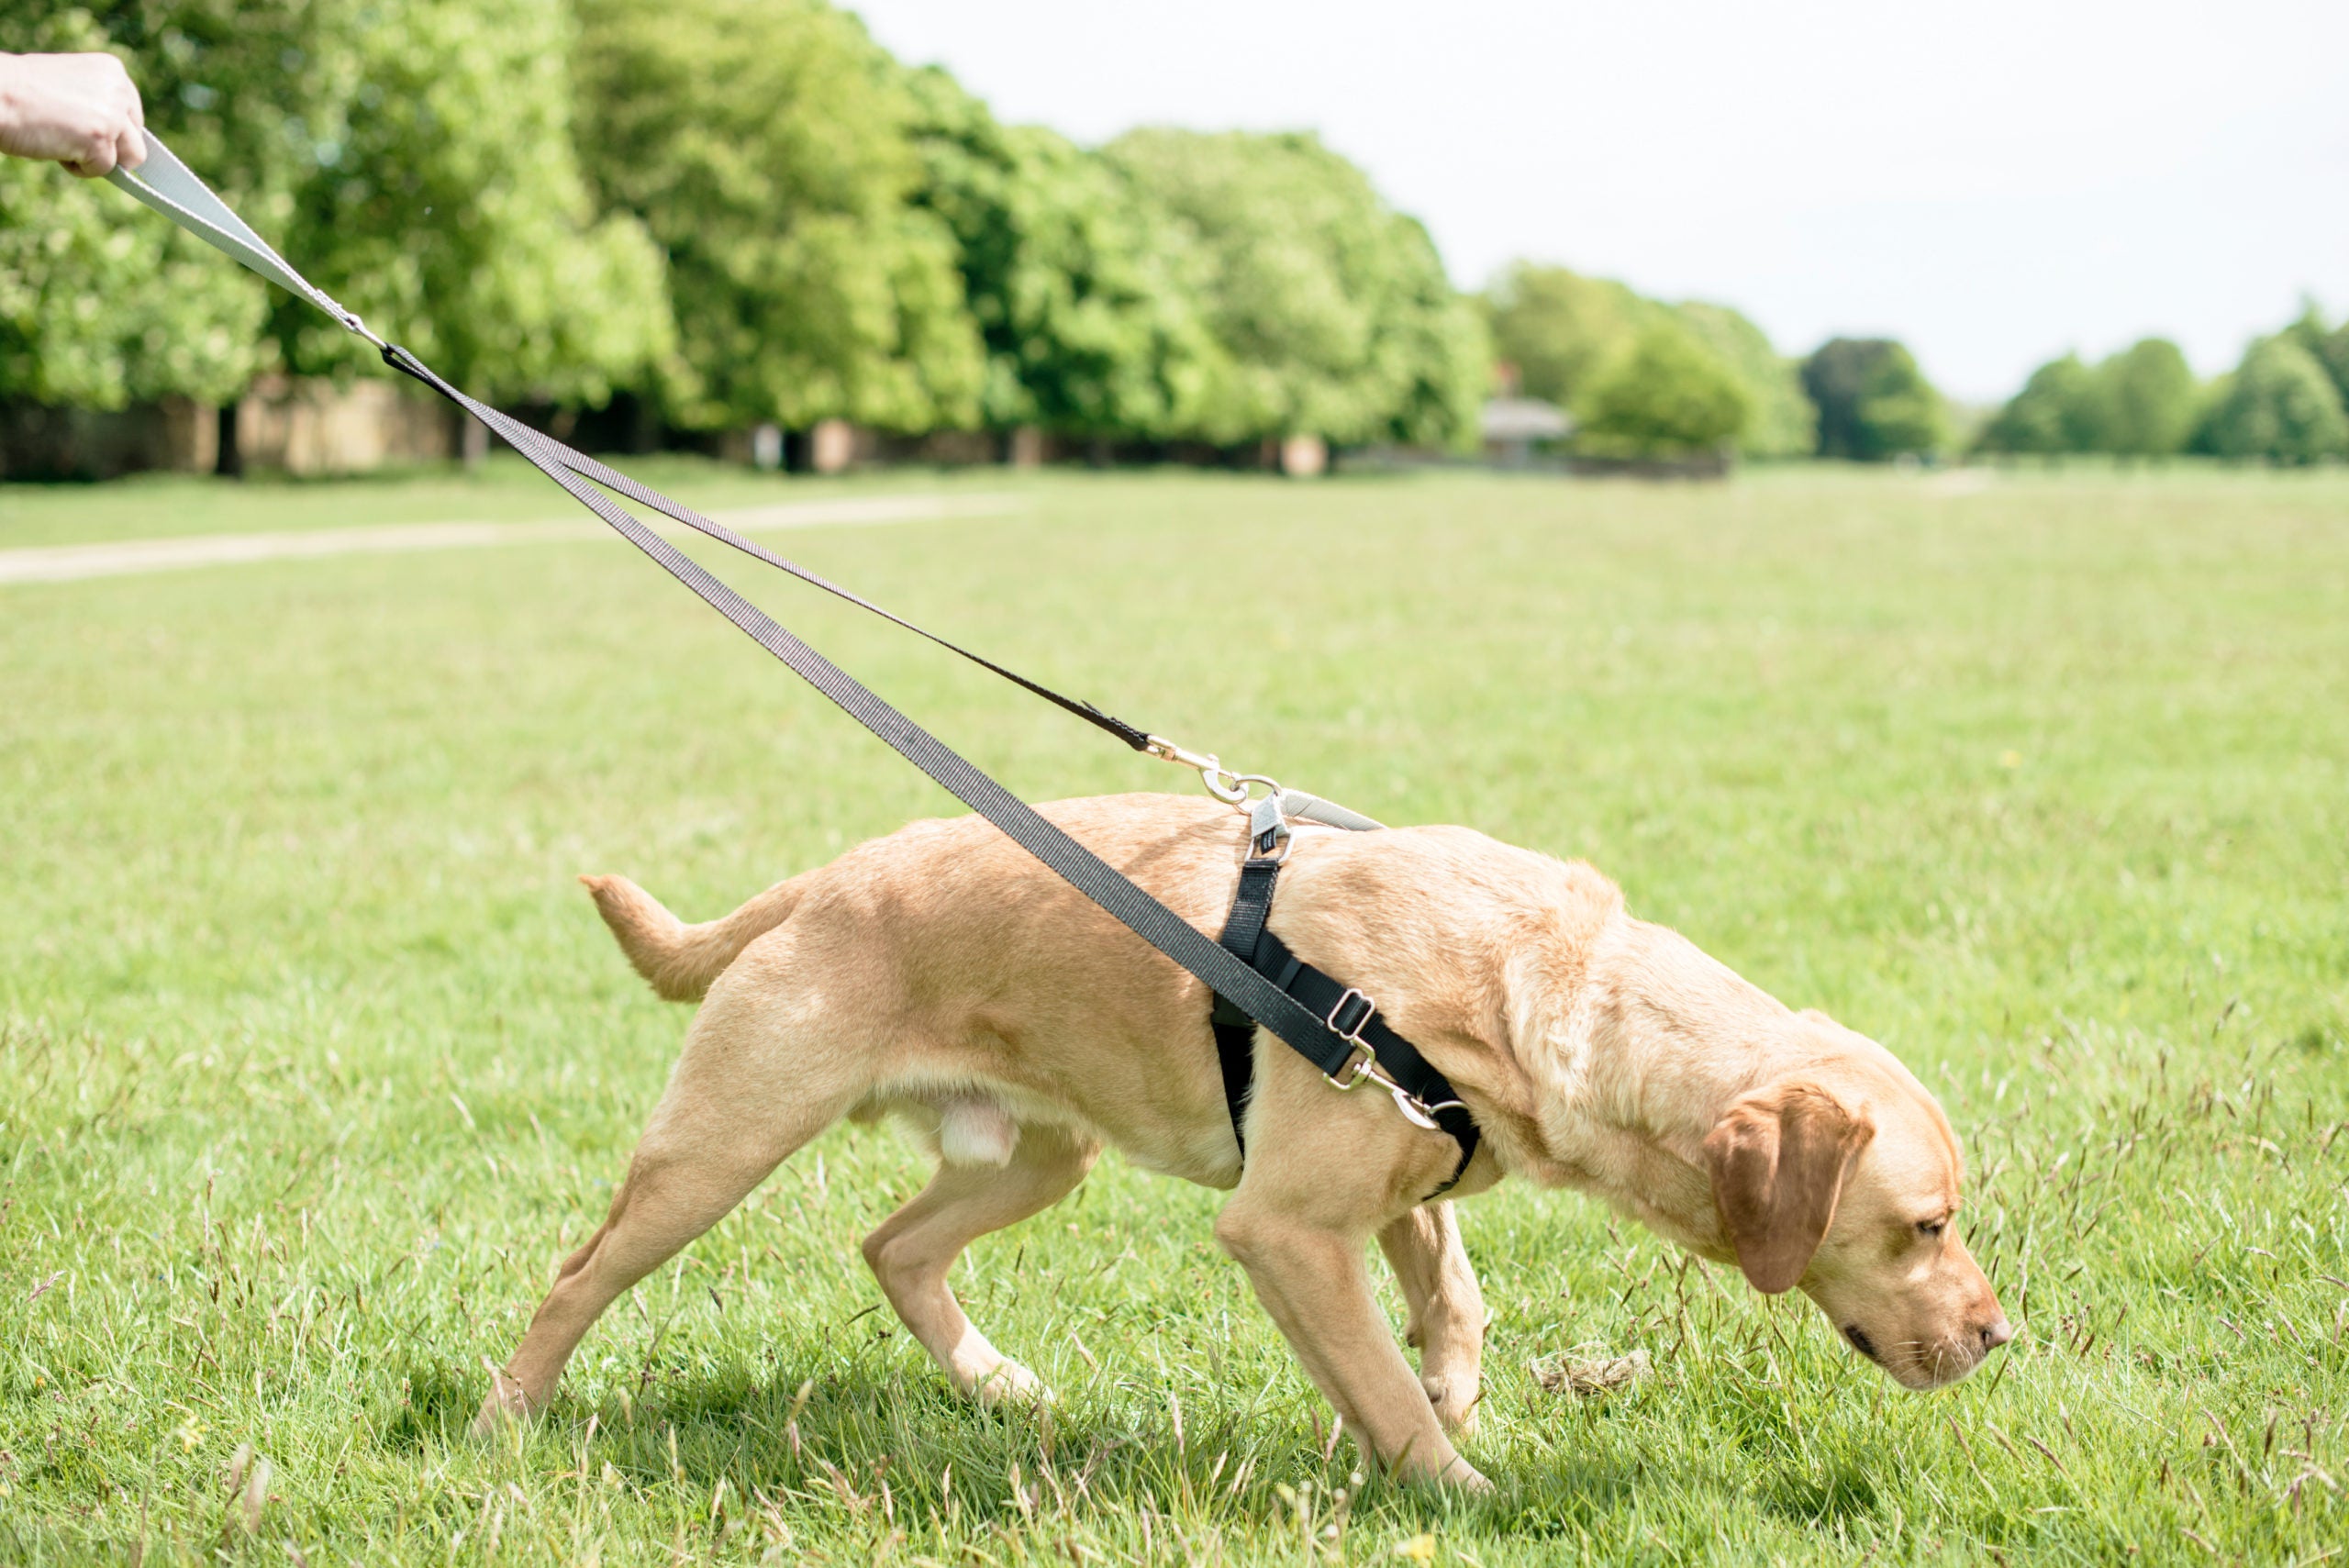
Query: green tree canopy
(443,200)
(1781,422)
(2139,403)
(2278,406)
(2059,409)
(1091,325)
(2329,347)
(1669,394)
(1872,401)
(1568,336)
(2153,398)
(1563,331)
(1332,312)
(768,146)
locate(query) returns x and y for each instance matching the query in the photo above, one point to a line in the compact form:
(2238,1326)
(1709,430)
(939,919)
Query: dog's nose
(1996,1332)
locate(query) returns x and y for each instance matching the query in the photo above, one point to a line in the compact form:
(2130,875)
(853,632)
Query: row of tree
(746,212)
(743,210)
(2287,402)
(1644,377)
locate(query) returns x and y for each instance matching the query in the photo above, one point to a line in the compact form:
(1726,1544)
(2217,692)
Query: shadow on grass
(862,1428)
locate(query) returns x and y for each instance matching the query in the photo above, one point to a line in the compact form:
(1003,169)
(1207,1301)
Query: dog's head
(1844,1179)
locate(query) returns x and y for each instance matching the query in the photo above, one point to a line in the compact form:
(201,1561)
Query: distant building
(1511,425)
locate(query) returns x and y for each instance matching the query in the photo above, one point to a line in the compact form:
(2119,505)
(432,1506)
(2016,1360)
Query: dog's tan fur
(943,974)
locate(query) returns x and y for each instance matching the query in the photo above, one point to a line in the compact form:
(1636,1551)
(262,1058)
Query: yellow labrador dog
(942,974)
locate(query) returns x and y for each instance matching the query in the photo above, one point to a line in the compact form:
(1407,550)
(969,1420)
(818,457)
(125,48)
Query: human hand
(79,109)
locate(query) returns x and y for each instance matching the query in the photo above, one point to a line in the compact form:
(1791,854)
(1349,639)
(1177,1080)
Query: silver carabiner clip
(1227,786)
(1413,1111)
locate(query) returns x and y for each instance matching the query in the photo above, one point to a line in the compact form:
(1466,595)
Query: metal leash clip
(1227,786)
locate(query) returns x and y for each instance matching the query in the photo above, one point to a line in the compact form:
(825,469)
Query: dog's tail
(680,959)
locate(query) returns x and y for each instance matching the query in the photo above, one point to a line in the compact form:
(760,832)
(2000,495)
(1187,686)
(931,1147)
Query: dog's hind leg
(735,1109)
(912,1251)
(1447,1310)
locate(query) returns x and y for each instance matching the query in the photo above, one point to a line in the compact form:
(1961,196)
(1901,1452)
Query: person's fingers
(130,148)
(96,159)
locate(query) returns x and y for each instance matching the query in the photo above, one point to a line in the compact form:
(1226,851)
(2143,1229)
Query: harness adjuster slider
(1350,1014)
(1347,1017)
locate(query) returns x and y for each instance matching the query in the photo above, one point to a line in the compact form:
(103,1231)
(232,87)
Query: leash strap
(168,186)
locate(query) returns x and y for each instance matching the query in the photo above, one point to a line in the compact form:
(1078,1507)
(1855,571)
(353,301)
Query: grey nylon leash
(169,187)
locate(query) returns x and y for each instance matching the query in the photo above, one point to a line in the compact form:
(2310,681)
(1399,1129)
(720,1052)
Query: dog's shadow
(861,1428)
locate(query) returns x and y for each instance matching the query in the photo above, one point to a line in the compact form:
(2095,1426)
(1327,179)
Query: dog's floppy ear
(1778,1158)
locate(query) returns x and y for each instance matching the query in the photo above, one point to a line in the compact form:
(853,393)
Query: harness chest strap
(1374,1051)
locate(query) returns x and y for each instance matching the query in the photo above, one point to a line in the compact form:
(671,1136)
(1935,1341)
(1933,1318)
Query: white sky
(1994,182)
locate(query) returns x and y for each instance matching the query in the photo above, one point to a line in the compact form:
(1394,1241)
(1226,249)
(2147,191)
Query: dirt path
(72,562)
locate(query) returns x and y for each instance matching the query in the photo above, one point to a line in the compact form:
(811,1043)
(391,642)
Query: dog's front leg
(1447,1320)
(1314,1281)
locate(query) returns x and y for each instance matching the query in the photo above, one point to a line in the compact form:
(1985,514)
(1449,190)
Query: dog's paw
(1466,1478)
(1009,1384)
(506,1407)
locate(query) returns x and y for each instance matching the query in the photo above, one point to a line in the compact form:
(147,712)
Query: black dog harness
(1374,1050)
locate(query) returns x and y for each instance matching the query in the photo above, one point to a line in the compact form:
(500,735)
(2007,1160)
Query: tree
(1563,331)
(1781,423)
(1090,324)
(443,200)
(1872,401)
(2059,409)
(1330,311)
(1670,395)
(2278,406)
(2138,403)
(2330,348)
(1567,333)
(2152,397)
(768,145)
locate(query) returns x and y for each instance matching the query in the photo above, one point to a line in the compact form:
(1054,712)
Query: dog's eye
(1931,1227)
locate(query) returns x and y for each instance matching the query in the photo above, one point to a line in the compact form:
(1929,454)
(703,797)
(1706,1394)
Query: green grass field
(316,1058)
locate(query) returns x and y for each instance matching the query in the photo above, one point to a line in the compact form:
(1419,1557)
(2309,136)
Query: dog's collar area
(1367,1047)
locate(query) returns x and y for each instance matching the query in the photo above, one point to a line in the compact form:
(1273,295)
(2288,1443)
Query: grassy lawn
(316,1058)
